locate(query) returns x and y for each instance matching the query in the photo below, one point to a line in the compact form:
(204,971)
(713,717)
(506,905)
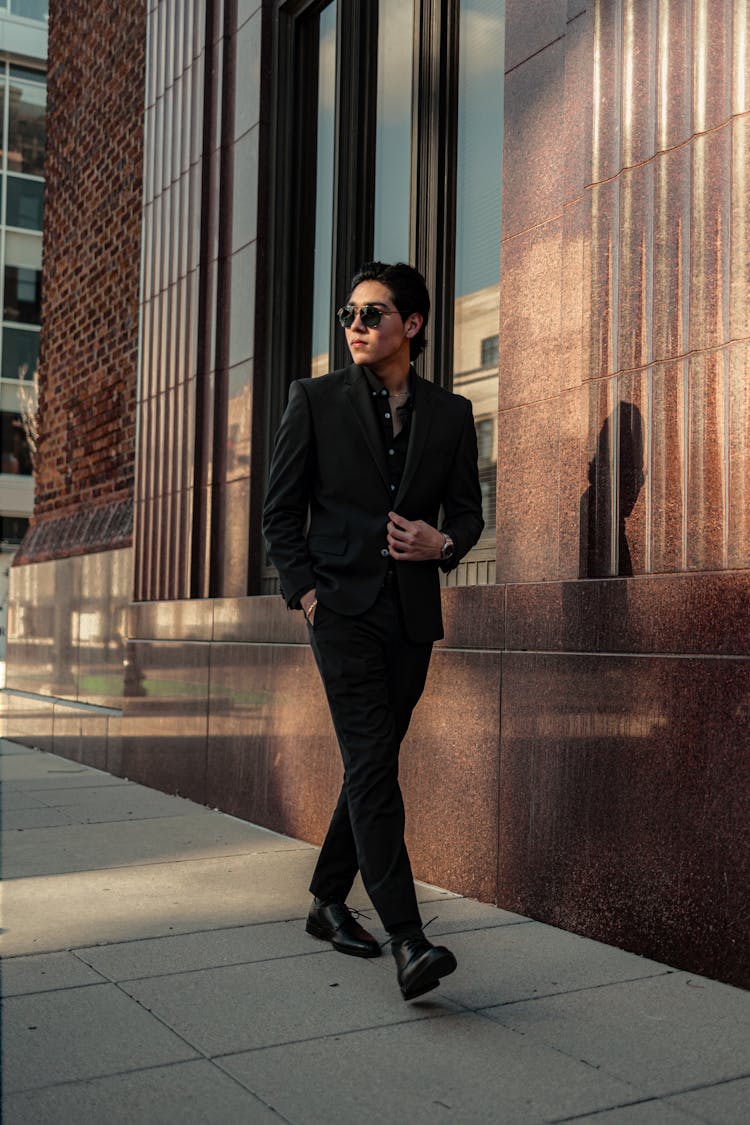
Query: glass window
(478,190)
(25,203)
(20,355)
(322,295)
(13,528)
(30,9)
(15,455)
(26,129)
(490,345)
(27,73)
(394,132)
(22,299)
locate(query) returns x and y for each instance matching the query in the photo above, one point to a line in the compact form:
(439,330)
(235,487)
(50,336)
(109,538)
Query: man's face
(388,343)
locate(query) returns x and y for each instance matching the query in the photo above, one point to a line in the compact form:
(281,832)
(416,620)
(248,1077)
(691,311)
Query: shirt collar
(377,385)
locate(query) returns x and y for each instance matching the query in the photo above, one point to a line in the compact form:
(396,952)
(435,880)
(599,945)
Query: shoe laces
(408,937)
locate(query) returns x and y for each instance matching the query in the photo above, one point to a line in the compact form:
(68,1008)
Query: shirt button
(393,488)
(374,393)
(384,552)
(387,415)
(391,452)
(384,391)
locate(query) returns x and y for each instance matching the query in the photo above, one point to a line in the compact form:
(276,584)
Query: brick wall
(91,266)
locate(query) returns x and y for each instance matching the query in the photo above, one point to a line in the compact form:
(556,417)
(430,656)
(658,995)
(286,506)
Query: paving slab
(239,1007)
(189,1093)
(19,799)
(18,819)
(40,770)
(236,945)
(123,844)
(91,805)
(455,914)
(668,1033)
(81,1033)
(48,972)
(453,1069)
(654,1111)
(56,912)
(509,963)
(727,1103)
(16,748)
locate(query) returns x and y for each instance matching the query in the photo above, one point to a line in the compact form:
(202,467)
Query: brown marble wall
(624,323)
(623,475)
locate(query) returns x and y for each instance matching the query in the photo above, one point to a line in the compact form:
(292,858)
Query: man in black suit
(365,460)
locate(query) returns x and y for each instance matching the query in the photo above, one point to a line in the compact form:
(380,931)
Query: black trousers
(373,677)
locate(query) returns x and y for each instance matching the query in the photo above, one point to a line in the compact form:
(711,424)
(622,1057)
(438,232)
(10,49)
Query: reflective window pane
(20,354)
(15,455)
(30,9)
(393,135)
(480,120)
(13,529)
(27,73)
(25,206)
(322,294)
(22,298)
(26,129)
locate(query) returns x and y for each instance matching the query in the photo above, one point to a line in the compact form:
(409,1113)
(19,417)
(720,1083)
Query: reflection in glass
(25,205)
(26,129)
(27,73)
(13,529)
(20,357)
(30,9)
(479,162)
(15,455)
(322,296)
(22,298)
(393,135)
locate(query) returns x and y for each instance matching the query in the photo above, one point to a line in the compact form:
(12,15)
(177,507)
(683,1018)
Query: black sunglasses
(370,315)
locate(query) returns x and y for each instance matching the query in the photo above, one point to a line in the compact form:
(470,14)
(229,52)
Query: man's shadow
(596,556)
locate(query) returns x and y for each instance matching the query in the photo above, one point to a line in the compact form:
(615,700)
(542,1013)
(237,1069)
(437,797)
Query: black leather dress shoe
(420,965)
(334,922)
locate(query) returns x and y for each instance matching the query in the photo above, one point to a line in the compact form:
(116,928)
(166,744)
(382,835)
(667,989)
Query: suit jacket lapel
(420,426)
(358,396)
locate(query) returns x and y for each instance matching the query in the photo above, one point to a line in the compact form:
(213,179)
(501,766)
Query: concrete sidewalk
(156,969)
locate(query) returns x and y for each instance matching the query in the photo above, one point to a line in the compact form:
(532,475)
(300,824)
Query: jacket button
(384,552)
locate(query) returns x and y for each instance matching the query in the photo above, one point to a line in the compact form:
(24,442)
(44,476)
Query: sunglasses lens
(346,315)
(371,316)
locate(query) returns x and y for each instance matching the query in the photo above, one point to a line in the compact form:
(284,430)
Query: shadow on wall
(615,483)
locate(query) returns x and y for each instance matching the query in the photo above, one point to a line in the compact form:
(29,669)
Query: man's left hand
(413,540)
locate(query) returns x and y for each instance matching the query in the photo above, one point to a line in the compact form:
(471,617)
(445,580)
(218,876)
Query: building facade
(23,63)
(571,177)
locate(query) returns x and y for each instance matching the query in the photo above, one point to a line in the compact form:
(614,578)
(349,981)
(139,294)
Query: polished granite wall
(67,624)
(623,474)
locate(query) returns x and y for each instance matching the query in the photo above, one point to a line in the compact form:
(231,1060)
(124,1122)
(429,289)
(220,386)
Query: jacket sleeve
(462,502)
(287,502)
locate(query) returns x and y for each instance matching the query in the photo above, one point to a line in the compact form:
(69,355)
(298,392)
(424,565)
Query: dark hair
(409,292)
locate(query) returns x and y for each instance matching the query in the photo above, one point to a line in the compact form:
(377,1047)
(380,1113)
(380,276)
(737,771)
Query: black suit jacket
(328,495)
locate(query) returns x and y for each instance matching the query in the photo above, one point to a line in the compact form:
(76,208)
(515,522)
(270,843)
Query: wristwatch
(447,549)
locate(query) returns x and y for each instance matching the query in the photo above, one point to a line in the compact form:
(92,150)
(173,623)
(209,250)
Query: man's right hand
(306,601)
